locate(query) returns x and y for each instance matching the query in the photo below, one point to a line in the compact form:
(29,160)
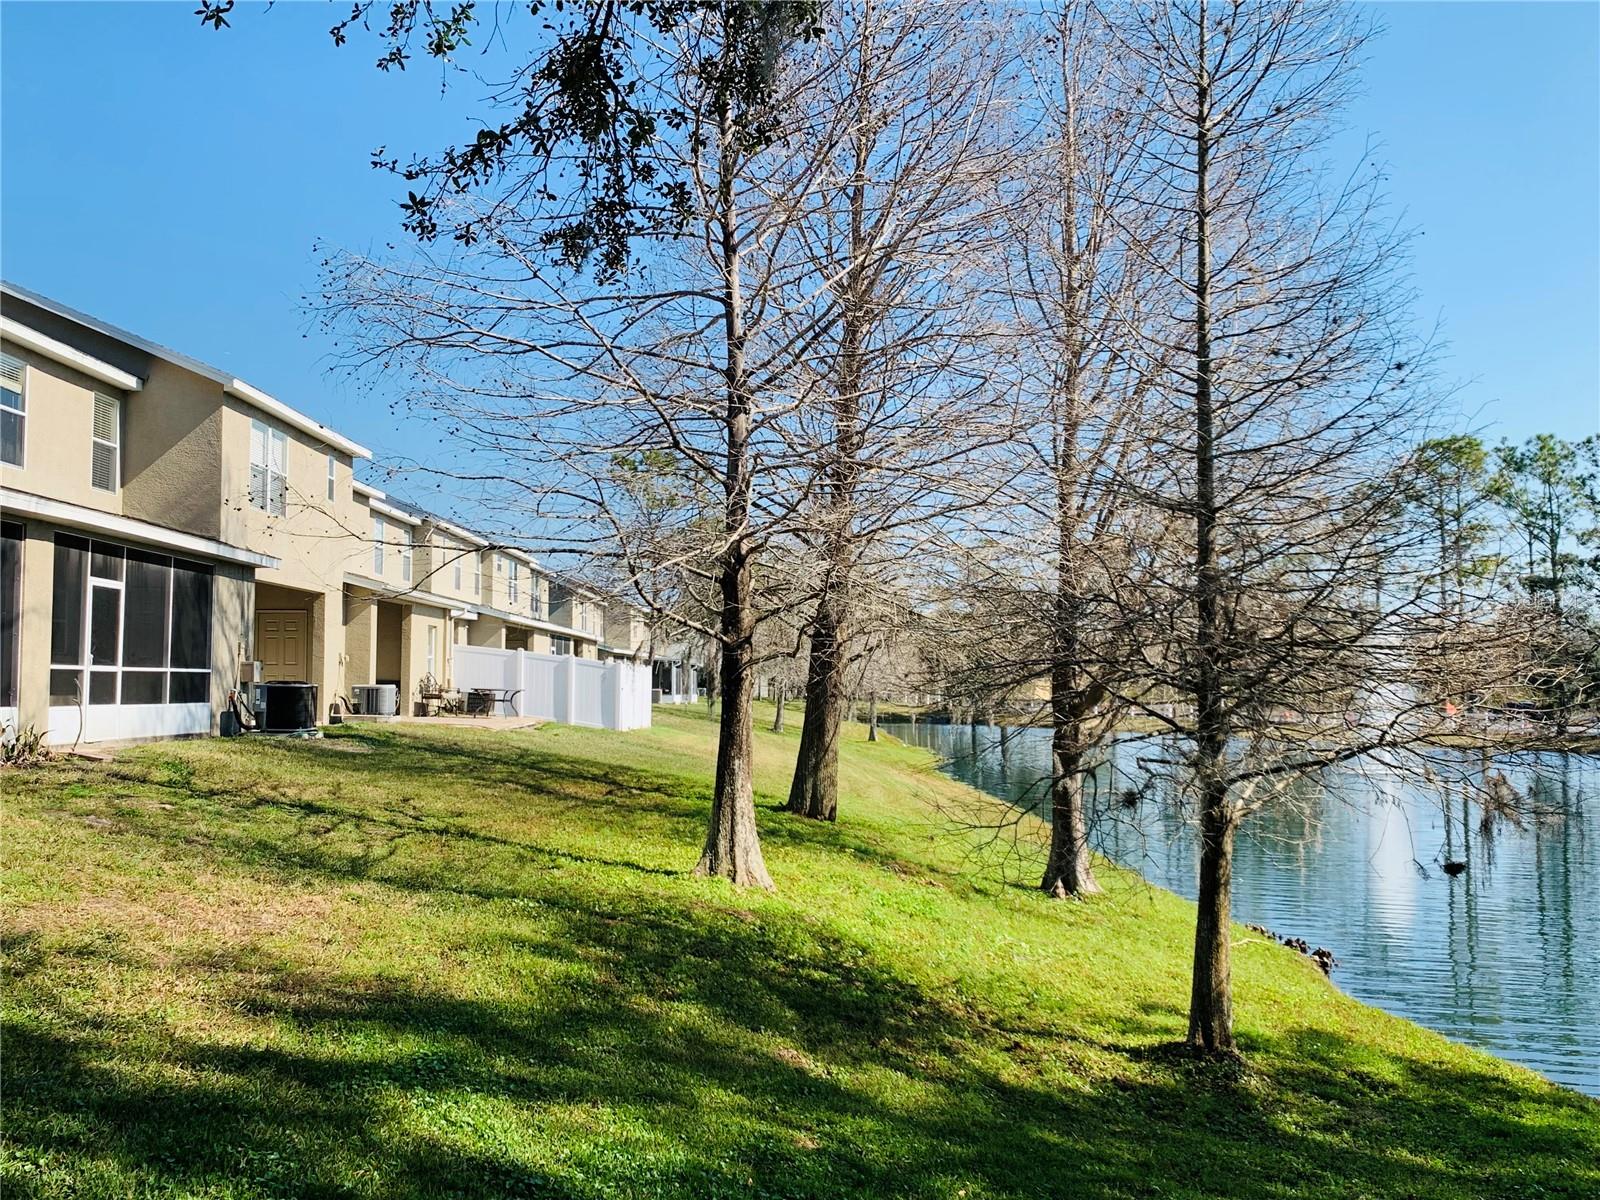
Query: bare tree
(1288,398)
(549,378)
(900,222)
(1079,289)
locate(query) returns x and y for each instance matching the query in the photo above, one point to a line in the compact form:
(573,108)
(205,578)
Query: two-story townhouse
(582,611)
(172,533)
(627,633)
(400,613)
(152,504)
(520,609)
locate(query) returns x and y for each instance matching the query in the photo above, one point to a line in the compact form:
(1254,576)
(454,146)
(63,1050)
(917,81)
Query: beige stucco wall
(424,618)
(360,638)
(316,540)
(487,631)
(626,630)
(33,661)
(58,434)
(172,451)
(396,534)
(233,610)
(439,555)
(389,666)
(170,444)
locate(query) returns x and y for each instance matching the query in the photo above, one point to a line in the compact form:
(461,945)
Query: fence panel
(558,687)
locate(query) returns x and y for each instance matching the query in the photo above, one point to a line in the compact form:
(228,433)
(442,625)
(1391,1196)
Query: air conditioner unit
(376,699)
(289,707)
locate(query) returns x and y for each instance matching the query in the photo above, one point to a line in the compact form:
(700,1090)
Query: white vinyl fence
(558,687)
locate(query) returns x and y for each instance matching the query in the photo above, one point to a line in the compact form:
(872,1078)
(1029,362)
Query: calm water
(1505,955)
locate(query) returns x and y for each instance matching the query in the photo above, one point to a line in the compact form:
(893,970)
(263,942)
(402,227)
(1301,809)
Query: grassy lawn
(407,962)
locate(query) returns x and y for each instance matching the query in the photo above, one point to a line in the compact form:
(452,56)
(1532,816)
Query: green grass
(409,962)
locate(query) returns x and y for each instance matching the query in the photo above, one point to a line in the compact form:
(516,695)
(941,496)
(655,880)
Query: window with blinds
(13,409)
(269,457)
(405,556)
(377,545)
(105,468)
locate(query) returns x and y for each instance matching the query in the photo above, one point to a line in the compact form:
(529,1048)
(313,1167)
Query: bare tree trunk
(814,791)
(1067,871)
(1211,996)
(733,849)
(872,716)
(1211,993)
(777,717)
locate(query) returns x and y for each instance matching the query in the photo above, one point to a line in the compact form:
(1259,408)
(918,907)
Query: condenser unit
(376,699)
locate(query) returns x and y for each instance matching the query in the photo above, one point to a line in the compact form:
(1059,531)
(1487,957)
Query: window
(377,544)
(456,553)
(10,610)
(135,622)
(332,463)
(535,600)
(269,455)
(405,556)
(13,409)
(105,470)
(512,569)
(560,645)
(433,648)
(477,574)
(585,616)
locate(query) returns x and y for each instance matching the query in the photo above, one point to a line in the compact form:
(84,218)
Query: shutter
(258,465)
(105,418)
(277,475)
(104,473)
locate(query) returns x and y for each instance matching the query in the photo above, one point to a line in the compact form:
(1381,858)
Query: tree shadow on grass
(620,1038)
(694,1053)
(514,779)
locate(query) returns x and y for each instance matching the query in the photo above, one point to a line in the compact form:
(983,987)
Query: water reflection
(1504,955)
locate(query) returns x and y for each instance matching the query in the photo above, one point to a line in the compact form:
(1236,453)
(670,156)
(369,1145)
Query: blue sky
(173,180)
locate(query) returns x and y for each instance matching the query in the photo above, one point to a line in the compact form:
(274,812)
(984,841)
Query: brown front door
(281,644)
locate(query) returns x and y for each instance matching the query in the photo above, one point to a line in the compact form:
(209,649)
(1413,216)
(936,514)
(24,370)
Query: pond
(1504,955)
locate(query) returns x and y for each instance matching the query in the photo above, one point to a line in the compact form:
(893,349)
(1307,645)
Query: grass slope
(409,962)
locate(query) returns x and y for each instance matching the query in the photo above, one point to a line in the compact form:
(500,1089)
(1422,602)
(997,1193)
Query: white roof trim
(235,387)
(404,592)
(69,356)
(77,516)
(456,531)
(389,510)
(277,408)
(534,623)
(410,518)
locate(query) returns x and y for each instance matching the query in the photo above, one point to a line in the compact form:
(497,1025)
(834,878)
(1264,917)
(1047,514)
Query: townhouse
(172,533)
